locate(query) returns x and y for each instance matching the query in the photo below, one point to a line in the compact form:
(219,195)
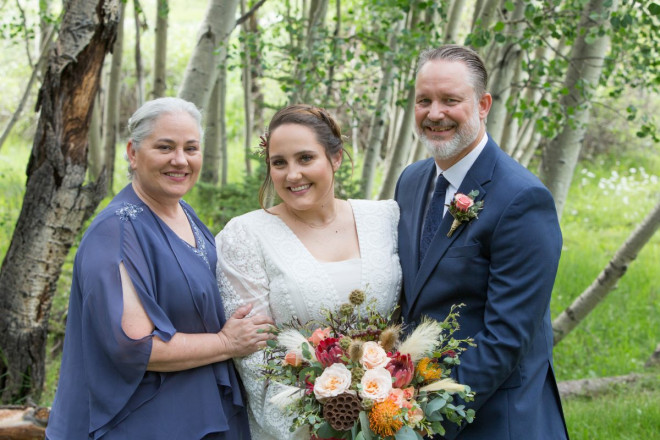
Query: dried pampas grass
(292,339)
(422,340)
(445,384)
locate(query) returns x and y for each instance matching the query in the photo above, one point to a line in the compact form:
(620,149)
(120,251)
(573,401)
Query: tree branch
(247,15)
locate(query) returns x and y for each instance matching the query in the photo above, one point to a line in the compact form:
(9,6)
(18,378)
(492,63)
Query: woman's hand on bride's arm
(240,336)
(243,335)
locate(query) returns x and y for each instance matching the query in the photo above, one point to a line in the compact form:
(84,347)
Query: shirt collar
(456,173)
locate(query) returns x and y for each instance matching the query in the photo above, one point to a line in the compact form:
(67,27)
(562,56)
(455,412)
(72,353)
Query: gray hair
(463,54)
(141,123)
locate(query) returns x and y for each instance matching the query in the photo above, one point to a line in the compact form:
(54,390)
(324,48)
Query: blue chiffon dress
(105,391)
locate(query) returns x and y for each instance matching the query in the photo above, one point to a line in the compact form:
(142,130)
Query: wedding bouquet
(351,377)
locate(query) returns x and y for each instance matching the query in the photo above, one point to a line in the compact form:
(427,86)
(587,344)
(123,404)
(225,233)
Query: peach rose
(463,202)
(319,335)
(334,380)
(293,358)
(409,393)
(415,414)
(397,396)
(376,384)
(373,356)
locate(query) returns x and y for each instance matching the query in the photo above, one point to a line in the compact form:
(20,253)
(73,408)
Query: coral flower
(385,418)
(319,335)
(429,369)
(329,352)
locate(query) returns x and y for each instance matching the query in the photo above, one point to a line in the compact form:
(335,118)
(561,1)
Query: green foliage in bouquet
(352,377)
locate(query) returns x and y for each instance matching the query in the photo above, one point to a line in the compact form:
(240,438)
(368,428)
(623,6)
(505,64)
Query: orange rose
(293,358)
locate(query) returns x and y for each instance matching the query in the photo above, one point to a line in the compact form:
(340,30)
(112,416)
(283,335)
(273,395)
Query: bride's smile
(302,173)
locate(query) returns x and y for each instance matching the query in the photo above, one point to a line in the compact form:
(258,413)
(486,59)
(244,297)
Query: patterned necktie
(433,215)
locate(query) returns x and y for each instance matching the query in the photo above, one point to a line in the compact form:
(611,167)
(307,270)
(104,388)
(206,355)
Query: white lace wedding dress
(262,261)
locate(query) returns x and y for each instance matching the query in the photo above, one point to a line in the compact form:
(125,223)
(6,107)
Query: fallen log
(591,387)
(23,422)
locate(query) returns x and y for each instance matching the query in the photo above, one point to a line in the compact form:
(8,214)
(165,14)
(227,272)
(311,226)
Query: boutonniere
(463,208)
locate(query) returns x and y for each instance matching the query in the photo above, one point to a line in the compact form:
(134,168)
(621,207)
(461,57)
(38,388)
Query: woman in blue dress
(147,352)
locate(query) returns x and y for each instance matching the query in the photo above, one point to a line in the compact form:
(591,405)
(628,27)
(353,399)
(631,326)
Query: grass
(608,198)
(624,412)
(606,203)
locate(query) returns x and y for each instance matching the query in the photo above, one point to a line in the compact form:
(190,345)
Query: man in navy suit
(501,265)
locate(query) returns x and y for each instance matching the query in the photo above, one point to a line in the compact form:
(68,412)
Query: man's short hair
(464,54)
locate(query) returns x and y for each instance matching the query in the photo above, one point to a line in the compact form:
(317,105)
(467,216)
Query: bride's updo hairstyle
(327,131)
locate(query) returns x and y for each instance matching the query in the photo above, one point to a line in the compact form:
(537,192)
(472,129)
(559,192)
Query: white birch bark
(455,20)
(401,150)
(378,122)
(37,71)
(160,51)
(248,110)
(201,71)
(111,113)
(586,64)
(503,74)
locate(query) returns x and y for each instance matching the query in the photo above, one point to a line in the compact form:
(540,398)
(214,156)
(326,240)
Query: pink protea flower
(401,368)
(329,352)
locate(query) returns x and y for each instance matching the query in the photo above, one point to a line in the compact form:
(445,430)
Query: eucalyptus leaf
(407,433)
(364,421)
(327,431)
(433,408)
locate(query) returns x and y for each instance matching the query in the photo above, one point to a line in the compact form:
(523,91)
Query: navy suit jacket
(502,266)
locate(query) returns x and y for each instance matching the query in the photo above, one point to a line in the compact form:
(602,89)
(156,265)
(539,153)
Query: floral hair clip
(263,144)
(463,208)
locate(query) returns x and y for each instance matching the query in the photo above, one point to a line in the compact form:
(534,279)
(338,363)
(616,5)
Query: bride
(306,253)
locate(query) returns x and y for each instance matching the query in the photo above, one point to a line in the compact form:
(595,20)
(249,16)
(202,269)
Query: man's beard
(465,134)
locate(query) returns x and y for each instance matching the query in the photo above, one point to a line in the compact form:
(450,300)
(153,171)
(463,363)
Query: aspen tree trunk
(399,154)
(258,124)
(202,71)
(511,124)
(37,71)
(418,152)
(608,278)
(56,203)
(378,122)
(44,25)
(247,96)
(401,150)
(95,162)
(111,113)
(139,71)
(212,136)
(487,13)
(160,51)
(516,146)
(315,20)
(455,16)
(335,49)
(561,155)
(507,65)
(478,6)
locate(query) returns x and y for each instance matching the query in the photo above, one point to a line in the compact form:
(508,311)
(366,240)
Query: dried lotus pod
(342,411)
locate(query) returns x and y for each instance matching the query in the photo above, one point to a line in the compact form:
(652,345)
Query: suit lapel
(479,174)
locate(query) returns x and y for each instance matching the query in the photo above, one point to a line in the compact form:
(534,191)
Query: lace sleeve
(241,270)
(243,279)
